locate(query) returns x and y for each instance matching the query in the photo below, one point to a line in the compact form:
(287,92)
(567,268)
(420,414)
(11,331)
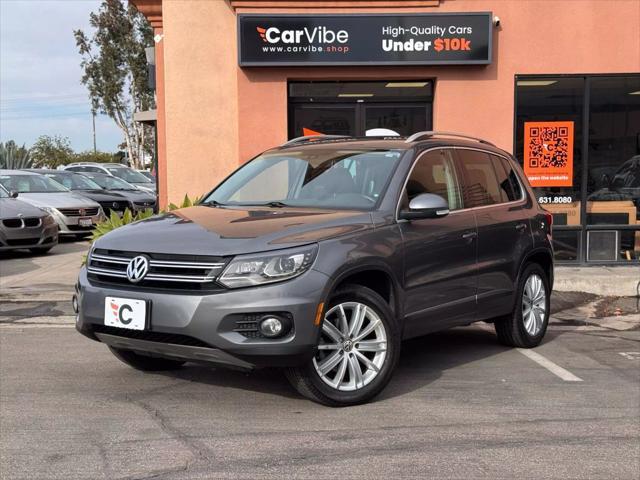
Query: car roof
(429,140)
(17,172)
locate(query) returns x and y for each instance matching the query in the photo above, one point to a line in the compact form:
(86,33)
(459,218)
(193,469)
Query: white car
(74,214)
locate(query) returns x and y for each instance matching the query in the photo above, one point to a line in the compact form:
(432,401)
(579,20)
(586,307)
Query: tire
(145,363)
(516,329)
(381,352)
(40,250)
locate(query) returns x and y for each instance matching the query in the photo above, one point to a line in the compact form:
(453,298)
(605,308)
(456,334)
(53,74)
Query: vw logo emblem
(82,212)
(137,269)
(114,204)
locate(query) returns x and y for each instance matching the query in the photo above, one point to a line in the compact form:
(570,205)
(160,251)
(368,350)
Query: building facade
(557,83)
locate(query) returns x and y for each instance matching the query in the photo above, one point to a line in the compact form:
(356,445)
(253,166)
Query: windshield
(74,182)
(128,175)
(30,184)
(311,178)
(110,183)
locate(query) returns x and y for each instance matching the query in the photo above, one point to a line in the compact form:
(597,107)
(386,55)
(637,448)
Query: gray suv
(321,256)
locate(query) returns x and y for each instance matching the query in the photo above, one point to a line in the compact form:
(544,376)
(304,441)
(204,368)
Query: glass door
(355,108)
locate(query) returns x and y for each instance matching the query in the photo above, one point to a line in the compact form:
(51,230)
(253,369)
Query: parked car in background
(109,201)
(74,214)
(141,199)
(24,226)
(118,170)
(148,174)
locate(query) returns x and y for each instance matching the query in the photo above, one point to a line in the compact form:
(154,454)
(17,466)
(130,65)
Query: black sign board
(365,39)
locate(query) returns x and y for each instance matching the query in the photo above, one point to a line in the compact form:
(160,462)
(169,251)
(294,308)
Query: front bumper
(210,320)
(71,225)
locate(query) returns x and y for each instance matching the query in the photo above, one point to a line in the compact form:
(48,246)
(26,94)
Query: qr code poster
(548,153)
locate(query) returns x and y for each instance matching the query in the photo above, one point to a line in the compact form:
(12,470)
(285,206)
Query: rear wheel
(526,325)
(357,351)
(145,363)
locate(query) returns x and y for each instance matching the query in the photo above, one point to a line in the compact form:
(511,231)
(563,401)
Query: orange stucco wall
(218,114)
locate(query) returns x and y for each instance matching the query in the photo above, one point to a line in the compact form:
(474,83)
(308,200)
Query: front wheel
(357,351)
(526,325)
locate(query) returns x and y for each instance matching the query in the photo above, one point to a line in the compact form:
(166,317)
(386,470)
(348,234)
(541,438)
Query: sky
(40,89)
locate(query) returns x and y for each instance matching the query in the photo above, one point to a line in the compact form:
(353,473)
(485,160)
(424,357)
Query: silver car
(24,226)
(74,214)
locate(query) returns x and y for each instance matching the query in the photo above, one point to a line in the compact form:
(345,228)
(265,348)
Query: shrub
(13,157)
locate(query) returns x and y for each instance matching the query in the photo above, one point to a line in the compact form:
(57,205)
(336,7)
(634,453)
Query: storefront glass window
(594,195)
(613,187)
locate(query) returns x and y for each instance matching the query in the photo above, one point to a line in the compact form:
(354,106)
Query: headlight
(259,269)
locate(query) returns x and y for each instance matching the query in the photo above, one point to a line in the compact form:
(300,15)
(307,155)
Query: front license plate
(85,222)
(125,313)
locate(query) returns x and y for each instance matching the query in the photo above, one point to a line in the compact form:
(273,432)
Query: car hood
(12,207)
(101,195)
(202,230)
(135,195)
(57,200)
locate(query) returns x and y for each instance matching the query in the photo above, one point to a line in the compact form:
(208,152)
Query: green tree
(91,156)
(51,151)
(13,157)
(115,70)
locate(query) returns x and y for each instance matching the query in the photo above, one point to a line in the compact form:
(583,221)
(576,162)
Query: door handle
(469,235)
(521,227)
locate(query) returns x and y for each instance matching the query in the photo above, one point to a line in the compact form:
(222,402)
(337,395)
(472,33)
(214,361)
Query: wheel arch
(376,276)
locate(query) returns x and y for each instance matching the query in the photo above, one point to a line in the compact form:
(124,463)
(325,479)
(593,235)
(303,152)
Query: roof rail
(430,133)
(308,138)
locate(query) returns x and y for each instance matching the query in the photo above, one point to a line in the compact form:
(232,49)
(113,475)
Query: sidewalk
(37,290)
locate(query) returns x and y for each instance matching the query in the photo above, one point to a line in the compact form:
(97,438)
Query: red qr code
(548,147)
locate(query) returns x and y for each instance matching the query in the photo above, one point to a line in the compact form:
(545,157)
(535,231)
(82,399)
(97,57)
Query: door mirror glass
(426,205)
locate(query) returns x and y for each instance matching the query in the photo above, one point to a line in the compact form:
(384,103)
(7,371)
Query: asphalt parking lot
(459,406)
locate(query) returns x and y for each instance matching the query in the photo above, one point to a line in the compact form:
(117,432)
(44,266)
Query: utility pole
(93,115)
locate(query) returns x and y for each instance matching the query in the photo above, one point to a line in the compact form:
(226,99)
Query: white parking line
(565,375)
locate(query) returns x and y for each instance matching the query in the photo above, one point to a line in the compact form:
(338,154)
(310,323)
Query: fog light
(271,327)
(74,304)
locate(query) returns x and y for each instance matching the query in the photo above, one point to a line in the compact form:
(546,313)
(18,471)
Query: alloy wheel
(352,348)
(534,304)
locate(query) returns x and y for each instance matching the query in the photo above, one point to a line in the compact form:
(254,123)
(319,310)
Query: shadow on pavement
(422,361)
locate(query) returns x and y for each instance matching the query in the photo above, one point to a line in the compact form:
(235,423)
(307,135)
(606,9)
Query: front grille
(79,212)
(117,206)
(159,337)
(32,222)
(174,272)
(12,223)
(22,222)
(23,241)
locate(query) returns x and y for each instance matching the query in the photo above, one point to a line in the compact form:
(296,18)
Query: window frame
(457,161)
(584,228)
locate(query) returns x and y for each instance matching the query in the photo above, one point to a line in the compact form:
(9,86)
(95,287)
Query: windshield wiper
(213,203)
(274,204)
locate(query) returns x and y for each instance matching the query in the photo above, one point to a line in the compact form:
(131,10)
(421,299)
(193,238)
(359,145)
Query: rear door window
(481,186)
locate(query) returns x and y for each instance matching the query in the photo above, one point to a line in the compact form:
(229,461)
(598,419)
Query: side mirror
(13,194)
(426,205)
